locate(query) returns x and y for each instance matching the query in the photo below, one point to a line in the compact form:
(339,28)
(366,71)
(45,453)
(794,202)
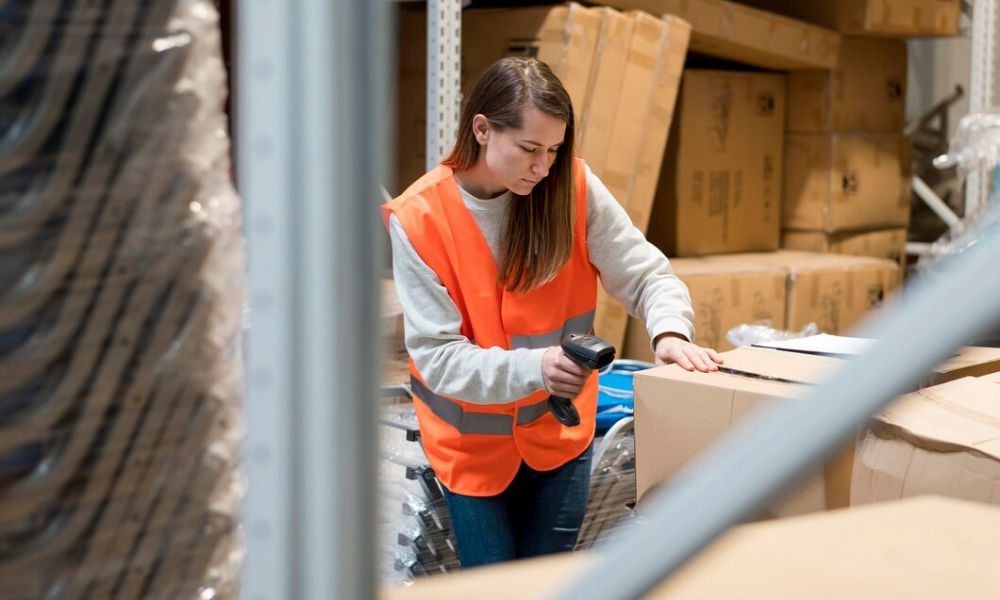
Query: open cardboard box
(942,440)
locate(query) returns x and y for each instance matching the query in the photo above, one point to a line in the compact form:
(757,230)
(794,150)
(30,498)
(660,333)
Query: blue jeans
(539,513)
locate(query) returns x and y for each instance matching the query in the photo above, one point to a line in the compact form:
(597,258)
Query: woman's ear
(481,129)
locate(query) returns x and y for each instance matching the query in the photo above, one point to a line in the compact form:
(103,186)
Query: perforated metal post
(444,55)
(982,87)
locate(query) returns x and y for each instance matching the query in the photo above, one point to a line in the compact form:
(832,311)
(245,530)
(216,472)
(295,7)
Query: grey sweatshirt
(631,269)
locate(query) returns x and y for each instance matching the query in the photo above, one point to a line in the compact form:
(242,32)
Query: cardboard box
(720,187)
(919,549)
(747,35)
(831,290)
(645,114)
(565,37)
(678,414)
(596,122)
(900,18)
(841,182)
(723,296)
(882,243)
(969,361)
(939,440)
(865,92)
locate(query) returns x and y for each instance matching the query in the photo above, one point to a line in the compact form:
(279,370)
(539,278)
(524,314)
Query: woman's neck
(478,181)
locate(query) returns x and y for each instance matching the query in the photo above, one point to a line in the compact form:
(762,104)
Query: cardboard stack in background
(784,289)
(622,72)
(847,171)
(720,186)
(835,292)
(723,296)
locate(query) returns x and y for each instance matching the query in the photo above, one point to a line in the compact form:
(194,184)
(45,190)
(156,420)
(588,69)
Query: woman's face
(520,158)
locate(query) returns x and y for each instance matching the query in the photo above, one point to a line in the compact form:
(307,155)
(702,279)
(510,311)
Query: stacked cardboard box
(847,173)
(783,289)
(723,296)
(720,187)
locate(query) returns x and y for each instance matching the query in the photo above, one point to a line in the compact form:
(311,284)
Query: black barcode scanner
(589,351)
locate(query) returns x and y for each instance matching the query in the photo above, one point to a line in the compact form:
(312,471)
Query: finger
(715,356)
(683,361)
(705,360)
(565,390)
(568,379)
(569,366)
(699,361)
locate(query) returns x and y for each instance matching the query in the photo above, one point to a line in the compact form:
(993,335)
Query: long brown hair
(538,234)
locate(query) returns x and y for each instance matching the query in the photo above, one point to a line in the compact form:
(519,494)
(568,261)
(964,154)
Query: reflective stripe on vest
(452,413)
(581,324)
(532,412)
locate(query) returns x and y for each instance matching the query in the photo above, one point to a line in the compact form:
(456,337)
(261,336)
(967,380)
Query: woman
(496,254)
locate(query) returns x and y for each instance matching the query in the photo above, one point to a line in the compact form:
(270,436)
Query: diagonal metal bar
(759,458)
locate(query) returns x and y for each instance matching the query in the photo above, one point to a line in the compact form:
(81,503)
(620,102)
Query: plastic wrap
(974,147)
(120,303)
(976,143)
(749,334)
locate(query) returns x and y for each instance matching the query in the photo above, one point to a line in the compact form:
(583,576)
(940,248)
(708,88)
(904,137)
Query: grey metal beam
(312,100)
(765,453)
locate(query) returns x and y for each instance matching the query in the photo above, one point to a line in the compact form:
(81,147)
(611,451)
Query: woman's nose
(540,166)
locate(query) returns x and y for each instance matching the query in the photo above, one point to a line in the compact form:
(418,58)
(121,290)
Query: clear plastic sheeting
(974,147)
(416,537)
(749,334)
(976,143)
(121,303)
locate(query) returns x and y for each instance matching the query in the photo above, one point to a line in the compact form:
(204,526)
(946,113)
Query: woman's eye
(528,150)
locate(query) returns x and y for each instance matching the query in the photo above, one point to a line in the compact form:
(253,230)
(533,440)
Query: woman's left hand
(671,348)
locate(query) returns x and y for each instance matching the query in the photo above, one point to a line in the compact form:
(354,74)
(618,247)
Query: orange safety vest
(476,449)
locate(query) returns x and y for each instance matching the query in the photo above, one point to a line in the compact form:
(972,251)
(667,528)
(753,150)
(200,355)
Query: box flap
(962,414)
(972,361)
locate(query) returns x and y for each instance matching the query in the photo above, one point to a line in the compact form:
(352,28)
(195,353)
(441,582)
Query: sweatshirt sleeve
(448,361)
(633,271)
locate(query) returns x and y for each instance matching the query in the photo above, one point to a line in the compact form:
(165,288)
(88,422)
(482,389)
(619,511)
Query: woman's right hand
(562,376)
